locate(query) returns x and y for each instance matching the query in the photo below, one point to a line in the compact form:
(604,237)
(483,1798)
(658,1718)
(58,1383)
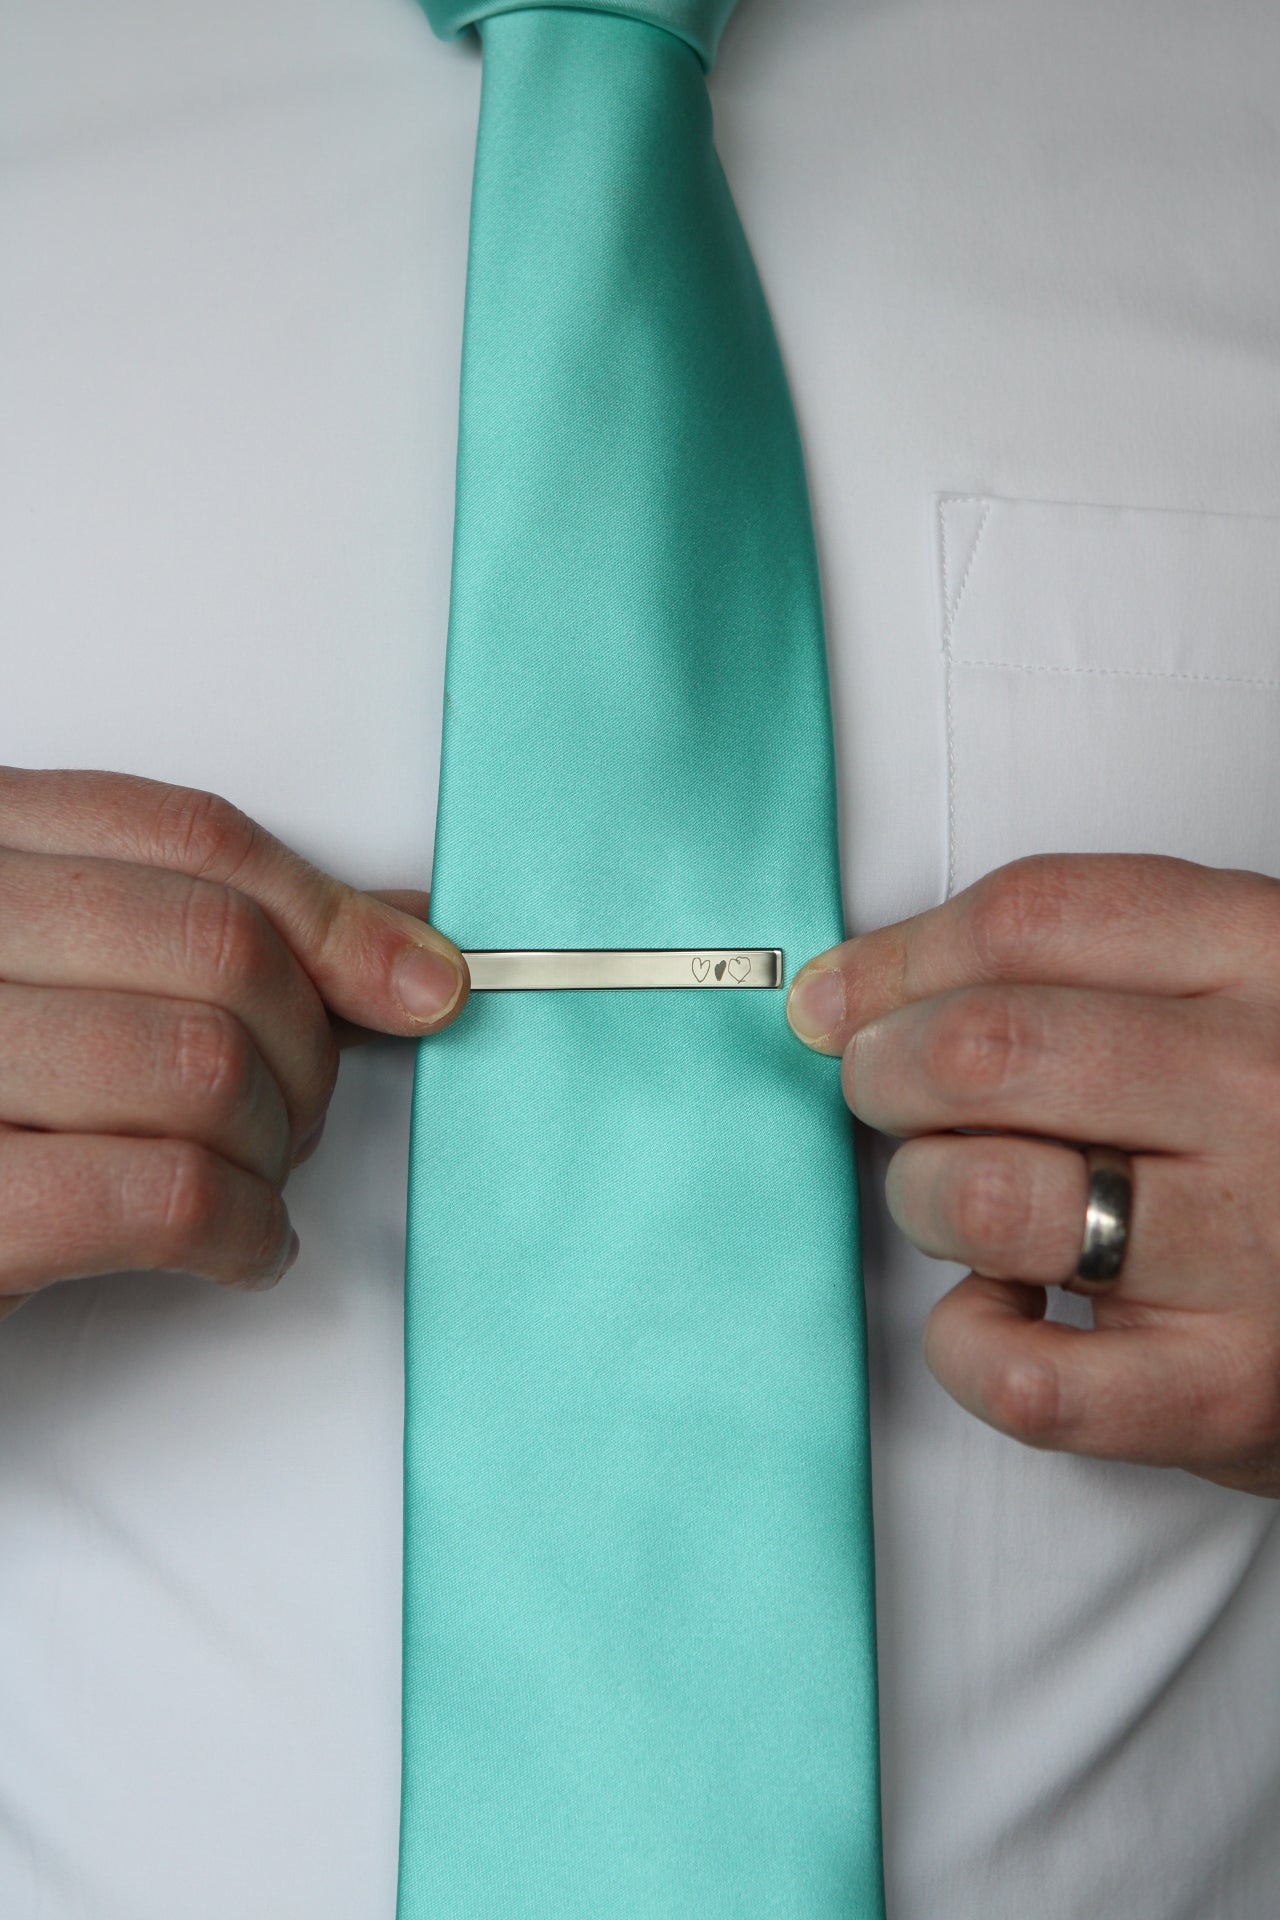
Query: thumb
(371,962)
(417,905)
(374,958)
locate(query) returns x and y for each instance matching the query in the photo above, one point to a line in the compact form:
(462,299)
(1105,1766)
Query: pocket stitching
(950,608)
(1120,673)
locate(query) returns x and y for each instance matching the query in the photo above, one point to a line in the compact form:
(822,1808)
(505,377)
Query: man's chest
(1013,254)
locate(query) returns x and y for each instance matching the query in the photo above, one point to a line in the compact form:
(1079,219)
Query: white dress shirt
(1023,259)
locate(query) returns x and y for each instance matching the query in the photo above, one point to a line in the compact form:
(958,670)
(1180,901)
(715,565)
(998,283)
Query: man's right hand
(168,973)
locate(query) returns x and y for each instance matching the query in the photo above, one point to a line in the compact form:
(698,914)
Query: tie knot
(699,23)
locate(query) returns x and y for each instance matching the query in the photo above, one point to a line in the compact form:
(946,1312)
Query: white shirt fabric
(1022,256)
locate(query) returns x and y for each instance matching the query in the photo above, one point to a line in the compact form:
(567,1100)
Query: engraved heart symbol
(720,965)
(701,967)
(740,966)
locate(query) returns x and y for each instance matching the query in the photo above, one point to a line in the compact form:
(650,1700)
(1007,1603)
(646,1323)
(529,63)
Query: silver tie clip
(552,969)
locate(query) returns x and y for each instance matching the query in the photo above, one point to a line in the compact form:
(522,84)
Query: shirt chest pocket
(1113,682)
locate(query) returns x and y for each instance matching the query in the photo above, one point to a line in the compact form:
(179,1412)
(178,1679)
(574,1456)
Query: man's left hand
(1126,1001)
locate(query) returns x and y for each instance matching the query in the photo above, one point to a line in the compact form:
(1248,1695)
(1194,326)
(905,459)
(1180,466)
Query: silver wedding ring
(1106,1220)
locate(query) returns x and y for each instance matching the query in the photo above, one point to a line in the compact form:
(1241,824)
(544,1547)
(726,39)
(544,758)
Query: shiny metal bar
(553,970)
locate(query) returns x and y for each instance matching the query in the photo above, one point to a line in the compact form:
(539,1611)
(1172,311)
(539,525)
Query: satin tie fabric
(639,1655)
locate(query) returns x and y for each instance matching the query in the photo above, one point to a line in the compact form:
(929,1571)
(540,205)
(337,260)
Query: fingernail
(816,1004)
(427,983)
(290,1255)
(263,1282)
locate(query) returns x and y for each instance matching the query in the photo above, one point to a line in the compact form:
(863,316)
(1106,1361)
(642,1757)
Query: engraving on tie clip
(738,968)
(541,970)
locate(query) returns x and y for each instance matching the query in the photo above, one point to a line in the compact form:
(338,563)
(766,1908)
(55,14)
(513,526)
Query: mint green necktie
(639,1673)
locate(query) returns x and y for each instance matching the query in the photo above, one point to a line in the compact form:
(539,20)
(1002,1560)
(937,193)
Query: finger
(1013,1209)
(81,1204)
(372,964)
(409,900)
(1010,1208)
(85,923)
(1129,923)
(124,1063)
(1159,1394)
(1135,1072)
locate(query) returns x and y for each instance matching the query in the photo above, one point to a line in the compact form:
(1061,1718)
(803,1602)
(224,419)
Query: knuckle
(1024,1400)
(201,833)
(978,1042)
(223,935)
(178,1198)
(182,1216)
(991,1207)
(210,1062)
(1015,910)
